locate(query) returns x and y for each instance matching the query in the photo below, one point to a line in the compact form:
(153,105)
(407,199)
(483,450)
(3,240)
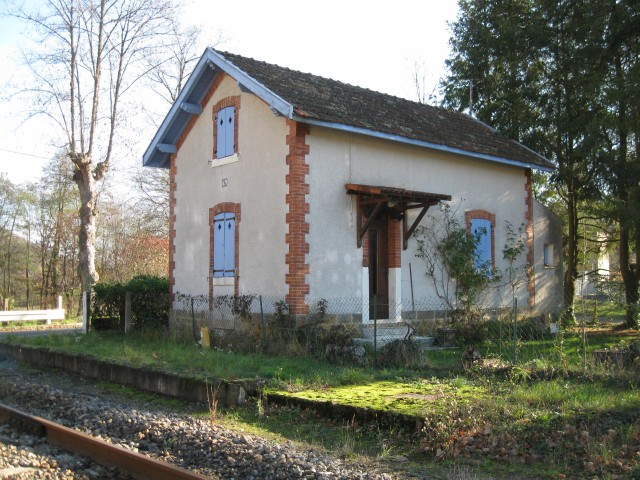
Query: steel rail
(137,465)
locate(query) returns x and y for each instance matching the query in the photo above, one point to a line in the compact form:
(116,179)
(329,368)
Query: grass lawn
(584,423)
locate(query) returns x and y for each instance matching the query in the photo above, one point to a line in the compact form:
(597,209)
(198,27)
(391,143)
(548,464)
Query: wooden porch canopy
(375,201)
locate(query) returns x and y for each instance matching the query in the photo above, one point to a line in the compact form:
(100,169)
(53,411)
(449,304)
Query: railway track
(135,464)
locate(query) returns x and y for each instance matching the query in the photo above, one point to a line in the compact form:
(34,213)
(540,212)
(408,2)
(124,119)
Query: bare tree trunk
(83,176)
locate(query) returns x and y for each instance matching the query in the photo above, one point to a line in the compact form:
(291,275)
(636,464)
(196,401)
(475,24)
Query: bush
(400,353)
(150,303)
(107,306)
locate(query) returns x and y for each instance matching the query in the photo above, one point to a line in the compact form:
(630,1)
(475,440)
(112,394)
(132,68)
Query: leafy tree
(126,246)
(620,131)
(536,75)
(11,208)
(57,230)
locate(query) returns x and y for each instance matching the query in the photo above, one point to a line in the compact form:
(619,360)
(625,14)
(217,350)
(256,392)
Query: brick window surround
(233,101)
(225,207)
(483,215)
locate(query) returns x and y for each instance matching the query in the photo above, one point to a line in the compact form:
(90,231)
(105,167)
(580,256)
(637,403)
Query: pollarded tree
(86,62)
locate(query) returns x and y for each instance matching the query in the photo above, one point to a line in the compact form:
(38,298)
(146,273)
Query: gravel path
(24,456)
(181,439)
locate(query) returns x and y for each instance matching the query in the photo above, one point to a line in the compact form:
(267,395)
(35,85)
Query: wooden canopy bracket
(395,201)
(407,232)
(362,229)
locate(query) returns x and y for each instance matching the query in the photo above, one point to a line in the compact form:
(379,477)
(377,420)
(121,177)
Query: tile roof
(324,100)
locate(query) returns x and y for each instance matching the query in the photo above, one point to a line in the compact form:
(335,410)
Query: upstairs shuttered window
(225,132)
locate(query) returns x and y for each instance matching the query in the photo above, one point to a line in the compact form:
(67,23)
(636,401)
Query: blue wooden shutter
(220,134)
(229,119)
(229,245)
(218,245)
(482,228)
(225,132)
(224,245)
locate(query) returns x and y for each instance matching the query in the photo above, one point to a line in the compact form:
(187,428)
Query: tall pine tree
(532,69)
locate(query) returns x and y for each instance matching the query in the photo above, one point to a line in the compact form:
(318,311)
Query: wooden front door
(378,269)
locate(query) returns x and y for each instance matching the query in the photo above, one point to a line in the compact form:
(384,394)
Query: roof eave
(153,156)
(275,102)
(420,143)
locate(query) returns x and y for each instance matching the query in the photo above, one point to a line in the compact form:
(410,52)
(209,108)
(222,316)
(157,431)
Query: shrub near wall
(149,303)
(107,306)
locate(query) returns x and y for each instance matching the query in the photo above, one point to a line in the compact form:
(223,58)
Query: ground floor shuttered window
(224,231)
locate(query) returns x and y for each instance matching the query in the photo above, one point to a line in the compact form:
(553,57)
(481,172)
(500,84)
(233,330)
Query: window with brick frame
(481,226)
(224,241)
(225,127)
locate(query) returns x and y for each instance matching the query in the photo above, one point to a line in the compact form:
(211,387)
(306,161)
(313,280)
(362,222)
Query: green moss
(416,399)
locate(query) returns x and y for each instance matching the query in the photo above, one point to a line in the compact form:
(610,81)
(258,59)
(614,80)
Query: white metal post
(85,312)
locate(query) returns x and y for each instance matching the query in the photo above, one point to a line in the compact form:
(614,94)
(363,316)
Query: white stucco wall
(256,181)
(548,279)
(337,158)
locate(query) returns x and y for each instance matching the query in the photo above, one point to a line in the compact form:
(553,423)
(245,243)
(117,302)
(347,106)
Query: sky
(370,44)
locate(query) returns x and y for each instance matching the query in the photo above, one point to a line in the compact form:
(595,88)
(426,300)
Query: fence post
(127,312)
(375,330)
(264,326)
(86,305)
(413,302)
(59,302)
(193,321)
(515,329)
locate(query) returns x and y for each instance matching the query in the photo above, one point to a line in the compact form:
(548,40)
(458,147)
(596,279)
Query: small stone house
(300,187)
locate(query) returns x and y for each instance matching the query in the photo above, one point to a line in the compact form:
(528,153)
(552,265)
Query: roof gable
(320,101)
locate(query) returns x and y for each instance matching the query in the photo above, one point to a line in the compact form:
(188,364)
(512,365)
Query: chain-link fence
(426,332)
(407,333)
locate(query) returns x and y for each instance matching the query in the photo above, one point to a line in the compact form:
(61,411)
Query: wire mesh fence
(407,333)
(411,333)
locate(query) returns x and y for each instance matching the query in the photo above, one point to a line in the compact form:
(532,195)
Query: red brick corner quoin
(296,200)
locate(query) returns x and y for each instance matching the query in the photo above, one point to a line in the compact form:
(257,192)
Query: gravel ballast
(187,441)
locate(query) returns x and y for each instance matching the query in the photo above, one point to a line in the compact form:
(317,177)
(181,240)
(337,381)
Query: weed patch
(581,423)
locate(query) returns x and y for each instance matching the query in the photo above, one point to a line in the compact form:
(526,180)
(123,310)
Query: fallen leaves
(586,445)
